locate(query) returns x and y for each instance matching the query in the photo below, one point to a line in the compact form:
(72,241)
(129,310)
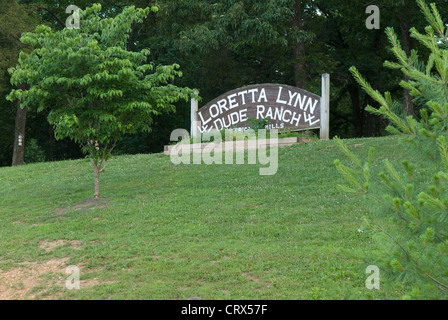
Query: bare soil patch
(87,205)
(51,245)
(17,283)
(255,279)
(32,280)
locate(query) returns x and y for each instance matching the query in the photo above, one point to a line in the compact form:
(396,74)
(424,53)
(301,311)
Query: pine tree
(416,247)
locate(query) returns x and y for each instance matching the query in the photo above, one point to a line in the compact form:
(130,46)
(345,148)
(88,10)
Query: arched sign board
(286,108)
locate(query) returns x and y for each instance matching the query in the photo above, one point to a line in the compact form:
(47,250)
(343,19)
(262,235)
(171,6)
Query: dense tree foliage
(222,44)
(93,87)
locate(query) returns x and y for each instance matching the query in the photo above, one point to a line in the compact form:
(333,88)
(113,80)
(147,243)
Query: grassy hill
(174,232)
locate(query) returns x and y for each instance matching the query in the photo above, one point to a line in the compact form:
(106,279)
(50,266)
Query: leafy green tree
(95,89)
(417,245)
(223,45)
(235,43)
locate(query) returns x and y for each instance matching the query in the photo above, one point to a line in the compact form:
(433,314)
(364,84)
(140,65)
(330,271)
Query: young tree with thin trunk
(94,88)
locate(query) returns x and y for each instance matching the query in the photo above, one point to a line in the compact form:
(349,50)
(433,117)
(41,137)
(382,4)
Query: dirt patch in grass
(255,279)
(251,277)
(51,245)
(87,205)
(17,283)
(40,280)
(21,223)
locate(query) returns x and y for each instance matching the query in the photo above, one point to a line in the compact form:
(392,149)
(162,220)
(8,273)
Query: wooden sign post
(194,117)
(285,107)
(325,108)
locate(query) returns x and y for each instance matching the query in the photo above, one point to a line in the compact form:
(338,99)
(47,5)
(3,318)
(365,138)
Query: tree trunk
(96,171)
(407,100)
(357,112)
(407,45)
(18,155)
(299,50)
(370,119)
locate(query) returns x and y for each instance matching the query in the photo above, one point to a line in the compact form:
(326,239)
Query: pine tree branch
(411,260)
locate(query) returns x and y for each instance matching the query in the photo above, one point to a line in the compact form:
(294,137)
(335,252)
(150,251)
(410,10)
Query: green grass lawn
(174,232)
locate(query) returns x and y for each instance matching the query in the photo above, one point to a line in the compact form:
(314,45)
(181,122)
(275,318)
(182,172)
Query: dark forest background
(225,44)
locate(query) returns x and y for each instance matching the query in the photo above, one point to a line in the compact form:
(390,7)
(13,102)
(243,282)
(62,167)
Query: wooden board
(286,107)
